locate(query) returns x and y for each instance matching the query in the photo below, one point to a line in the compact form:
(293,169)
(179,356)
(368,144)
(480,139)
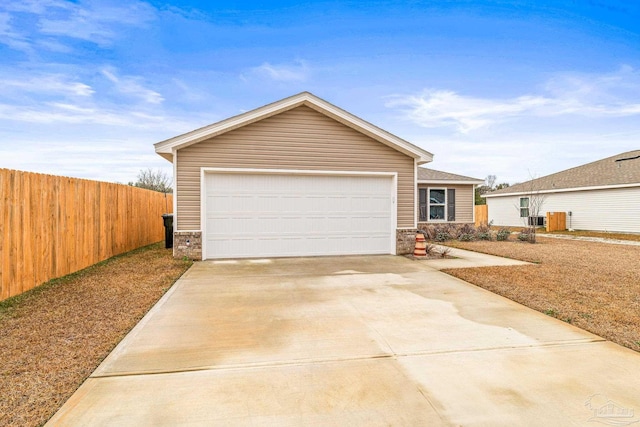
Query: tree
(490,181)
(154,180)
(489,185)
(530,206)
(480,190)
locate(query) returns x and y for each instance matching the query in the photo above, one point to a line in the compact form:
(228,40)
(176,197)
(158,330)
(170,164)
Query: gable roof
(438,177)
(167,147)
(622,170)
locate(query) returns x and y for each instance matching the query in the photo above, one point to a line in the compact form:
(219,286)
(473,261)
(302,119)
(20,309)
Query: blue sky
(509,88)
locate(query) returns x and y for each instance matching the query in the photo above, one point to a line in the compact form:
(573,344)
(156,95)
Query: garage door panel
(257,215)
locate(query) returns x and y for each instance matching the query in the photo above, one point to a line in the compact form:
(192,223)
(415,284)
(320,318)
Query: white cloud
(298,72)
(47,84)
(10,37)
(596,96)
(97,22)
(35,6)
(436,108)
(132,85)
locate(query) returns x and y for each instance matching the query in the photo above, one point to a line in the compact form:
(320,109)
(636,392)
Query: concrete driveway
(376,340)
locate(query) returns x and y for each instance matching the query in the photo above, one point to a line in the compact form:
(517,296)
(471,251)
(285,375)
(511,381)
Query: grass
(55,335)
(595,286)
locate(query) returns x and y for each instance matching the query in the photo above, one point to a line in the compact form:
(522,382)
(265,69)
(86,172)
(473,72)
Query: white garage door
(272,215)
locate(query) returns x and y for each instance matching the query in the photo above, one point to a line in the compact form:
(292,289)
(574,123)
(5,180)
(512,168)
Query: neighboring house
(601,196)
(445,197)
(298,177)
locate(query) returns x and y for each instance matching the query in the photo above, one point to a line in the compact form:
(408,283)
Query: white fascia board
(562,190)
(305,98)
(452,182)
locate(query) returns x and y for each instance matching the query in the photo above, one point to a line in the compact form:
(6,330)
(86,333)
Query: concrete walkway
(368,341)
(590,239)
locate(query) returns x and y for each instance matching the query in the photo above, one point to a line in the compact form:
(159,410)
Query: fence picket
(51,226)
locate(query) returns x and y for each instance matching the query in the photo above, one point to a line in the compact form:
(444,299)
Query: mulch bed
(54,336)
(595,286)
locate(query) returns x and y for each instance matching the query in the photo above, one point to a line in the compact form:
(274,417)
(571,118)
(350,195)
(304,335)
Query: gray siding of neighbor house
(464,202)
(300,139)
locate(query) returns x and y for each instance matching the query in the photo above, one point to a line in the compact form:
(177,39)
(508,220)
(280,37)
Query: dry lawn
(54,336)
(595,286)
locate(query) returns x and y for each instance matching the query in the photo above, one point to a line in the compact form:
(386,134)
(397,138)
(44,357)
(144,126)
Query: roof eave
(564,190)
(451,181)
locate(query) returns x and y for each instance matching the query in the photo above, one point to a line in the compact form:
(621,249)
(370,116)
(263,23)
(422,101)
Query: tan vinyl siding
(300,139)
(464,201)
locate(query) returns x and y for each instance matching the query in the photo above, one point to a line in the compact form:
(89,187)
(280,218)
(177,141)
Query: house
(600,196)
(302,177)
(445,197)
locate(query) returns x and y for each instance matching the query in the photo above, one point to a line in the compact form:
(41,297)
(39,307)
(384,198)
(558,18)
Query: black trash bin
(168,230)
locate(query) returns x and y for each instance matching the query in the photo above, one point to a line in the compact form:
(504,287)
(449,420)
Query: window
(437,204)
(437,199)
(524,207)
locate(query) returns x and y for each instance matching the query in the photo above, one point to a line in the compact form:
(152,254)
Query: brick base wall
(405,240)
(187,244)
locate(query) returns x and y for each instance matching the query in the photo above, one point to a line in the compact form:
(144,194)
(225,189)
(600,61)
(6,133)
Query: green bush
(467,237)
(484,235)
(503,234)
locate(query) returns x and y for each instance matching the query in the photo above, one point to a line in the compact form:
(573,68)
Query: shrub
(442,236)
(503,234)
(429,231)
(466,229)
(484,235)
(466,237)
(527,235)
(444,252)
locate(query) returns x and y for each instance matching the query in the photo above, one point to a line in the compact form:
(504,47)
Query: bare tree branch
(154,180)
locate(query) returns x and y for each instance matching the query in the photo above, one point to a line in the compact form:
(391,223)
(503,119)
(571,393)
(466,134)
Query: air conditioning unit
(537,221)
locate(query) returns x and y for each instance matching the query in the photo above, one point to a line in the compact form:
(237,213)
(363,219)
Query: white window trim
(520,207)
(436,204)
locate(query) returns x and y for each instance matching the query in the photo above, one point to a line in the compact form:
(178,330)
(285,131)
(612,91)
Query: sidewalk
(591,239)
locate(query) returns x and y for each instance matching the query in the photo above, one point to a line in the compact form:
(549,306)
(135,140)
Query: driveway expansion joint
(304,362)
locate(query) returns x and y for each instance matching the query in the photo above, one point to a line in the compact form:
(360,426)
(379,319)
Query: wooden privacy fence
(556,221)
(51,226)
(481,214)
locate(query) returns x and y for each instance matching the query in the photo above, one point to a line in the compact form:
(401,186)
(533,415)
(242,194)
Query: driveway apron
(359,340)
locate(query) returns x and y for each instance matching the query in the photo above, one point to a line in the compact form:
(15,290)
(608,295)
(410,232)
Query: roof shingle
(621,169)
(425,174)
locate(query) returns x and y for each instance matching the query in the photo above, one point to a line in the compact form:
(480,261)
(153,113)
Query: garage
(294,213)
(297,177)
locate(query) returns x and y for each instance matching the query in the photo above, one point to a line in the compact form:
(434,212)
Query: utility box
(168,230)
